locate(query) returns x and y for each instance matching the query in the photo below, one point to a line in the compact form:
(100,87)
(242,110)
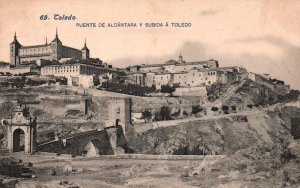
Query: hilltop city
(186,78)
(65,114)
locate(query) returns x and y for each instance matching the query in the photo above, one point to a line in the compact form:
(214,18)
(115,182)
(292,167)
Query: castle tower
(180,58)
(21,132)
(56,48)
(85,51)
(14,51)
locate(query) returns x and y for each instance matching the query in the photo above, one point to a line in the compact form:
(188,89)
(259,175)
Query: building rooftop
(176,63)
(35,55)
(35,46)
(2,63)
(162,72)
(71,48)
(192,63)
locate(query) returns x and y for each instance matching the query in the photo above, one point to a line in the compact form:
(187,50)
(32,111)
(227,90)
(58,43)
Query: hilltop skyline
(262,36)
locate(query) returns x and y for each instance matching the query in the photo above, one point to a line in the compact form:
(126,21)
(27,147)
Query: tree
(165,113)
(196,109)
(214,109)
(26,112)
(225,109)
(167,89)
(96,82)
(293,95)
(62,80)
(147,114)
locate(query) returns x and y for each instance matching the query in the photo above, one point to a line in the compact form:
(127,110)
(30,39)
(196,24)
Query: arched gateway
(21,132)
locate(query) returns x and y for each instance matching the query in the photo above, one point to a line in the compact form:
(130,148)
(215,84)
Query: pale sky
(261,35)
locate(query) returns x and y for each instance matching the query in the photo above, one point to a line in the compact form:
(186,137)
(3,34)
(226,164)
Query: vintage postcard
(149,93)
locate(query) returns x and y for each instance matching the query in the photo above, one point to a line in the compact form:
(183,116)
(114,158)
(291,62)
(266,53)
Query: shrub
(167,89)
(26,112)
(233,108)
(225,109)
(147,114)
(72,112)
(175,114)
(196,109)
(131,89)
(165,113)
(214,109)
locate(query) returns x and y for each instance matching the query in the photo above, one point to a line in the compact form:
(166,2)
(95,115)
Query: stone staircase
(4,152)
(218,103)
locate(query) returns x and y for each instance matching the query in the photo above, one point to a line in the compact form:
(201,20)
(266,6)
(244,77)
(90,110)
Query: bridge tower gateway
(118,122)
(21,131)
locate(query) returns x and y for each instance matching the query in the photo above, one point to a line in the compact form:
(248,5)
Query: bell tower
(14,51)
(180,58)
(85,51)
(56,48)
(21,131)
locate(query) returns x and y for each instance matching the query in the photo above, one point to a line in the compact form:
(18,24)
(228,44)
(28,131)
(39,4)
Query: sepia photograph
(149,93)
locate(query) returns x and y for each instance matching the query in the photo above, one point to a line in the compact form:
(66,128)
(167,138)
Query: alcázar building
(55,50)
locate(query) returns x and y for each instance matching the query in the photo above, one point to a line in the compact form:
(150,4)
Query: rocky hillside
(259,144)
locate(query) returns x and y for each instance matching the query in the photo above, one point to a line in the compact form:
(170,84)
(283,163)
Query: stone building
(173,66)
(21,69)
(85,81)
(55,50)
(195,77)
(174,72)
(184,74)
(78,68)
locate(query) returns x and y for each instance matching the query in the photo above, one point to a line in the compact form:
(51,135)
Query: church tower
(14,51)
(180,58)
(85,51)
(56,48)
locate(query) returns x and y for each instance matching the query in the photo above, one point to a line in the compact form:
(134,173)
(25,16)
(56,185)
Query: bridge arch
(93,148)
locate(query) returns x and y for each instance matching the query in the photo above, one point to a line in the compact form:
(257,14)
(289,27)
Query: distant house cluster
(265,79)
(184,74)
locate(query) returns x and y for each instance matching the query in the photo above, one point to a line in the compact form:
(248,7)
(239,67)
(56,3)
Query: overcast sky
(263,36)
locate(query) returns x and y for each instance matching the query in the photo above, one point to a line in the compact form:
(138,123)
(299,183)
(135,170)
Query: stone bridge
(91,143)
(22,132)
